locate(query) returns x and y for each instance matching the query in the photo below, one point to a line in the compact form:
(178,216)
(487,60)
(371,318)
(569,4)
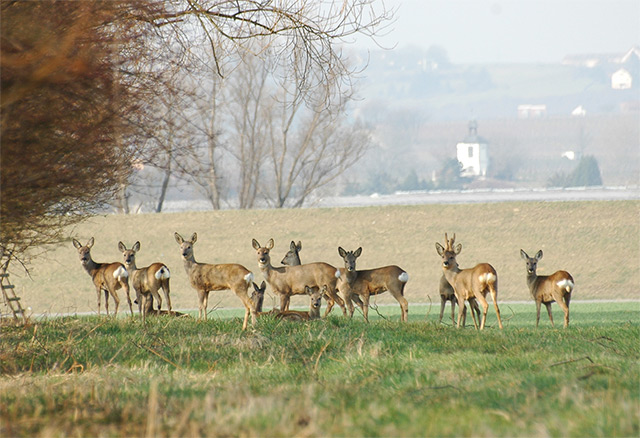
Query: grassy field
(93,376)
(598,242)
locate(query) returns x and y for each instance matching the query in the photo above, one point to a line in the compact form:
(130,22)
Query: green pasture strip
(93,376)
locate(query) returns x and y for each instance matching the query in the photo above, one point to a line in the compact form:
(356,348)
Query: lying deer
(315,296)
(286,281)
(146,281)
(205,278)
(447,294)
(107,277)
(150,311)
(545,289)
(469,283)
(371,282)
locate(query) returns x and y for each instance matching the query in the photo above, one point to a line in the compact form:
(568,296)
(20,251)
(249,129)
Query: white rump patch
(249,277)
(337,274)
(404,277)
(566,285)
(487,278)
(121,272)
(163,273)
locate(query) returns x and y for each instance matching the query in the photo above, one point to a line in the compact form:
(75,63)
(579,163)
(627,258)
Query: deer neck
(91,267)
(531,282)
(189,263)
(131,266)
(314,313)
(351,276)
(450,273)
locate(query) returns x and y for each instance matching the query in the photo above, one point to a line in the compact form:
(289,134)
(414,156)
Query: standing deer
(371,282)
(292,258)
(315,296)
(205,278)
(545,289)
(447,294)
(469,283)
(292,280)
(107,277)
(146,281)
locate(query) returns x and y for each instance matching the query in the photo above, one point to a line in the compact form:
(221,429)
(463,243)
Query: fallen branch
(564,362)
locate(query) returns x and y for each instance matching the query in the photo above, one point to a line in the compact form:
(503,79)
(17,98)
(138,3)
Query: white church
(473,154)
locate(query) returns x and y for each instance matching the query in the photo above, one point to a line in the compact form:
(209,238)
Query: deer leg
(156,296)
(549,311)
(205,303)
(125,286)
(443,301)
(356,299)
(335,297)
(460,310)
(464,316)
(106,300)
(476,321)
(493,288)
(485,309)
(538,305)
(365,304)
(99,294)
(348,300)
(284,302)
(166,290)
(249,307)
(143,303)
(200,302)
(567,300)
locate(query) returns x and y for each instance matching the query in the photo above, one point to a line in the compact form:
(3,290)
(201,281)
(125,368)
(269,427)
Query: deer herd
(317,280)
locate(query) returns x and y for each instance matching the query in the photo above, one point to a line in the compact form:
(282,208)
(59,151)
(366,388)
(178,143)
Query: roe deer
(447,294)
(469,283)
(545,289)
(205,278)
(371,282)
(315,296)
(107,277)
(292,280)
(146,281)
(292,258)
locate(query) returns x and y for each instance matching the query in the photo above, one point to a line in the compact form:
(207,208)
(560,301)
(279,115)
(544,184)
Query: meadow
(90,376)
(78,375)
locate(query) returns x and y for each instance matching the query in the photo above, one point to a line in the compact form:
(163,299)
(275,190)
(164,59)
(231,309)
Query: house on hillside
(621,80)
(473,153)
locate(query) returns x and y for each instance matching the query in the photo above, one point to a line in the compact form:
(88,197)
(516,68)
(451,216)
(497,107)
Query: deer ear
(440,249)
(179,238)
(90,243)
(136,247)
(299,246)
(523,255)
(539,255)
(263,285)
(194,237)
(458,248)
(77,244)
(292,246)
(121,247)
(308,290)
(341,252)
(270,244)
(357,252)
(255,244)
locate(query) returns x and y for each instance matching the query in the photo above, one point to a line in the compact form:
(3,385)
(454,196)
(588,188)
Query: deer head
(186,246)
(264,258)
(84,251)
(129,255)
(532,262)
(349,258)
(448,253)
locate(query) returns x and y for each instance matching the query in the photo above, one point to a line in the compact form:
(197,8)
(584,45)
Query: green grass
(336,377)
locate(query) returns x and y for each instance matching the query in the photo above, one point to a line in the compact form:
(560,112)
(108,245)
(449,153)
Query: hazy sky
(474,31)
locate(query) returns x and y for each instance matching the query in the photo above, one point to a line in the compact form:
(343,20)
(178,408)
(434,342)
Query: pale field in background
(597,242)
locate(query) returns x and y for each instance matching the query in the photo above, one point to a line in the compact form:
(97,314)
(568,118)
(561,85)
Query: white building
(621,80)
(473,153)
